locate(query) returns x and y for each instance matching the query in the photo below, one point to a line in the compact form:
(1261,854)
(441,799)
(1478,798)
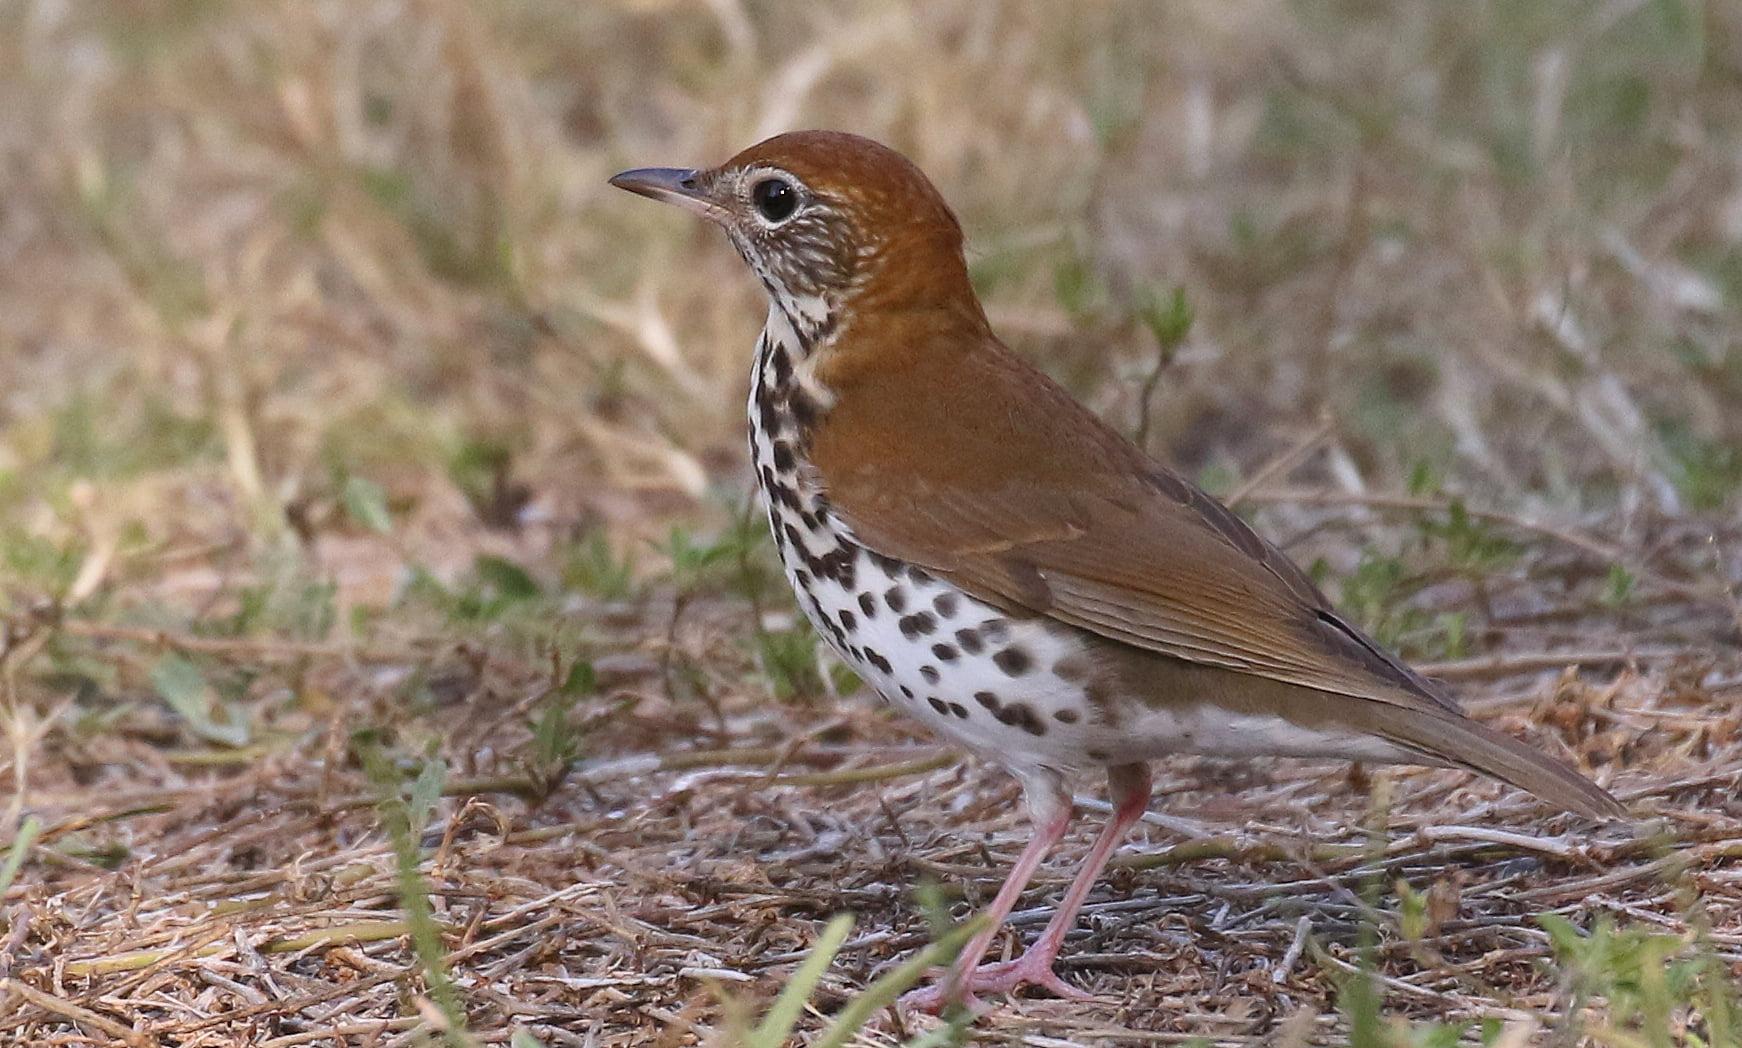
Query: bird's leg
(1051,808)
(1129,786)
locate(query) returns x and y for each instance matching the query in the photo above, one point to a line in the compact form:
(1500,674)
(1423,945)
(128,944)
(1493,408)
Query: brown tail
(1464,743)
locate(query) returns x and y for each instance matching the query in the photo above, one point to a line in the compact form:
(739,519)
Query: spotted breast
(1013,689)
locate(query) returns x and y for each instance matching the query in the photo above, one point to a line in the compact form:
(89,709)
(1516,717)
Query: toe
(1049,981)
(931,1000)
(927,999)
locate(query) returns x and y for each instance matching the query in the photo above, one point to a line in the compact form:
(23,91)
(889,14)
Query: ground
(392,656)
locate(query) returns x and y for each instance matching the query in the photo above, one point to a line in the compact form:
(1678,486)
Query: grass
(390,654)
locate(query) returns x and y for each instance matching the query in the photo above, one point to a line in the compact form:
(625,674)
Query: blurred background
(344,405)
(250,252)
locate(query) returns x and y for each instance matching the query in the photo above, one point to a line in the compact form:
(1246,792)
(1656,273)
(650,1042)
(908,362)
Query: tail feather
(1465,743)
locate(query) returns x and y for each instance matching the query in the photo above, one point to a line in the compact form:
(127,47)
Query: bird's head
(829,221)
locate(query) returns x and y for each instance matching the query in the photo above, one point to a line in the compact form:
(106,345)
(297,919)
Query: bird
(998,562)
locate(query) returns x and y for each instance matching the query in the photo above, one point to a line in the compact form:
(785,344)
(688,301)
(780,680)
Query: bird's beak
(671,185)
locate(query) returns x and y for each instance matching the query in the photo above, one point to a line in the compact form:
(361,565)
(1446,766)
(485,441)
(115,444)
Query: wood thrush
(995,560)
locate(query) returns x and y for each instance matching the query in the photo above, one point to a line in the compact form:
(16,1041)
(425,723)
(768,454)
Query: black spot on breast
(995,630)
(803,578)
(868,605)
(848,620)
(919,575)
(1095,755)
(1021,715)
(946,603)
(896,598)
(987,699)
(938,704)
(880,663)
(944,652)
(783,460)
(773,422)
(930,673)
(782,364)
(970,641)
(888,565)
(1073,668)
(959,710)
(804,409)
(1013,661)
(917,625)
(841,566)
(907,691)
(1065,716)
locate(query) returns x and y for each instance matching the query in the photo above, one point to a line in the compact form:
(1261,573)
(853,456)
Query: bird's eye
(775,199)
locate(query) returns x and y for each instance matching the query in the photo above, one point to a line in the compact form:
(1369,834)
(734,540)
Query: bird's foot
(1001,977)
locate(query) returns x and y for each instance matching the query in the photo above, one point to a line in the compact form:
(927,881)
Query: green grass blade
(884,991)
(777,1025)
(20,848)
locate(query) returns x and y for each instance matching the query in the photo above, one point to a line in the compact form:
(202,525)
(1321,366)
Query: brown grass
(344,410)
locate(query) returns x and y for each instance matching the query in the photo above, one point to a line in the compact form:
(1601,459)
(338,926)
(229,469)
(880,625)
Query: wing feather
(1042,509)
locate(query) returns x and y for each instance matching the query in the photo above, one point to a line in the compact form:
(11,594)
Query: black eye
(775,199)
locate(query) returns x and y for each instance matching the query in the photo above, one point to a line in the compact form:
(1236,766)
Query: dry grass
(368,463)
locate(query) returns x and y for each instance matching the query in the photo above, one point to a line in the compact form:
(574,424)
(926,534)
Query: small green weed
(1659,989)
(592,567)
(405,805)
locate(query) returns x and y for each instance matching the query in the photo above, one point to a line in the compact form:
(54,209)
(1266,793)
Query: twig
(875,773)
(68,1010)
(1291,956)
(135,960)
(1281,463)
(1227,848)
(338,1034)
(1492,666)
(1521,841)
(263,647)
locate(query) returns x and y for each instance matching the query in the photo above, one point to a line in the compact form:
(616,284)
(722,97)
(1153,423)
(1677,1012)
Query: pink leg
(958,984)
(1129,785)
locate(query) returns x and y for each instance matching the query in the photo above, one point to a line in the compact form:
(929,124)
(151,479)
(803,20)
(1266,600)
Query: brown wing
(1032,503)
